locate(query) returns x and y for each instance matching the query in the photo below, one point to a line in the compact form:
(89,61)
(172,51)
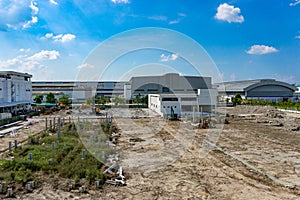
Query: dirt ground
(257,156)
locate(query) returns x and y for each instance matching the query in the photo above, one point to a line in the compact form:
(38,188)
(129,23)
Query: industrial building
(182,95)
(15,92)
(78,91)
(165,84)
(267,89)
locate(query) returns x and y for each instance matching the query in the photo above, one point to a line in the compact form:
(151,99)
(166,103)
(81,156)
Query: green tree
(38,98)
(65,99)
(89,100)
(237,100)
(50,98)
(137,99)
(145,100)
(118,100)
(104,100)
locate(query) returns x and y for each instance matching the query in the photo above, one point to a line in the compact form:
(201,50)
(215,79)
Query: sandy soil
(162,159)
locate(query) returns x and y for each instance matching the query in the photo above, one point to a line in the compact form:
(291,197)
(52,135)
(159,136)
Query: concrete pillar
(54,121)
(53,145)
(91,139)
(9,192)
(83,154)
(58,128)
(9,146)
(16,144)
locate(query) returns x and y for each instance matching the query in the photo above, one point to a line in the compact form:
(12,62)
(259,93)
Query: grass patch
(64,160)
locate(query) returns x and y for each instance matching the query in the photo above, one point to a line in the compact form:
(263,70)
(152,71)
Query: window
(165,89)
(188,99)
(170,99)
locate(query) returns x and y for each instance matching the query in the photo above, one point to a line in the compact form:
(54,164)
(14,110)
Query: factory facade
(78,91)
(267,89)
(15,92)
(182,95)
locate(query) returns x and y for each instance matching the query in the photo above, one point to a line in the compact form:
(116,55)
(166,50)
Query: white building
(202,103)
(15,92)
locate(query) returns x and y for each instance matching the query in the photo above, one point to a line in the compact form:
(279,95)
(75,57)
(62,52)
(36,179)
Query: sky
(62,39)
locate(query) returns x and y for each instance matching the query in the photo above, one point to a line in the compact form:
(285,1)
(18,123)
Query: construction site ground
(255,156)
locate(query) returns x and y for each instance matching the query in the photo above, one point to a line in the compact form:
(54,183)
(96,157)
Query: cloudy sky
(246,39)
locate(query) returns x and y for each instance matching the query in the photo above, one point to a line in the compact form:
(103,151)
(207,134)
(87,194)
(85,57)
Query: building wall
(167,84)
(184,104)
(79,91)
(270,91)
(15,91)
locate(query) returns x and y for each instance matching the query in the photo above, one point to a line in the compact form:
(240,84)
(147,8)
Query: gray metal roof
(9,73)
(242,86)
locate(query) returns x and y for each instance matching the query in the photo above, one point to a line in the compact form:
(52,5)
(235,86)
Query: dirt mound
(244,109)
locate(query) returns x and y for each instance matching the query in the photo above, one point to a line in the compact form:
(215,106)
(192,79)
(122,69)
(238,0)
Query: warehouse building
(267,89)
(168,83)
(15,92)
(183,95)
(78,91)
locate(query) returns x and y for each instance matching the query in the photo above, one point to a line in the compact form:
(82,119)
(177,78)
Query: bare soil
(161,160)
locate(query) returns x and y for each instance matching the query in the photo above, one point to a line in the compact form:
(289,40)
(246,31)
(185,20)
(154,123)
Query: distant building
(297,94)
(15,92)
(80,90)
(268,89)
(166,84)
(185,95)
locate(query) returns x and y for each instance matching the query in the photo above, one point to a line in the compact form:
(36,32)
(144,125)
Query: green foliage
(50,98)
(118,100)
(104,100)
(137,99)
(65,99)
(65,160)
(145,100)
(236,100)
(38,98)
(90,100)
(289,105)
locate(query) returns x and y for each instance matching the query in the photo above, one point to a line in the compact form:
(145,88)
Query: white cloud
(120,1)
(167,58)
(298,37)
(60,38)
(85,66)
(296,2)
(34,18)
(44,55)
(53,2)
(34,8)
(49,35)
(18,14)
(158,18)
(261,49)
(30,64)
(24,50)
(176,21)
(226,12)
(181,16)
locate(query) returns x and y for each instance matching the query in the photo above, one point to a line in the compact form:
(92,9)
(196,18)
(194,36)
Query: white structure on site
(202,103)
(15,92)
(183,95)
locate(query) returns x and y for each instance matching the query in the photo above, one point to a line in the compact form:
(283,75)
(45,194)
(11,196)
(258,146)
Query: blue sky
(247,39)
